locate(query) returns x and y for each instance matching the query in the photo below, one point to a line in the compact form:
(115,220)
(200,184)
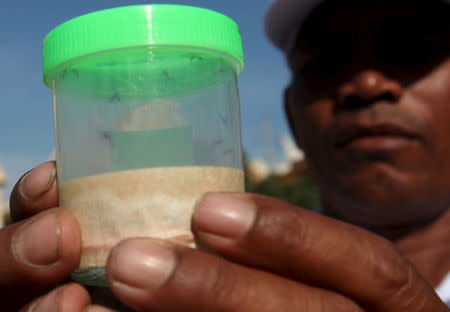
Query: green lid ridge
(141,26)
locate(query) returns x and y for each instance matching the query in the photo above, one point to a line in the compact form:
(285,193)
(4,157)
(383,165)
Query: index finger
(35,191)
(272,234)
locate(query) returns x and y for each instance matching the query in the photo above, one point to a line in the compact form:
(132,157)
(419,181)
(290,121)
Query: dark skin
(364,86)
(376,120)
(274,256)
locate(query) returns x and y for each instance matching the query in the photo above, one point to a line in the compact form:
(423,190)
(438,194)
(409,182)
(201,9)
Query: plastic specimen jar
(147,120)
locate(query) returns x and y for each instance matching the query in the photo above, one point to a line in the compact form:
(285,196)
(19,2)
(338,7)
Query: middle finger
(153,275)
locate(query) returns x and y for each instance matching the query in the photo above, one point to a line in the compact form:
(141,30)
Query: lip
(378,137)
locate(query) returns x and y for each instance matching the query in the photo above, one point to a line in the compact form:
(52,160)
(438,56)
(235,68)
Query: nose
(368,87)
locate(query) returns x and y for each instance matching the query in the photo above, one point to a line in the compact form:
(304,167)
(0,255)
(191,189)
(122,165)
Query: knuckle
(339,303)
(390,268)
(316,299)
(229,292)
(409,294)
(287,229)
(300,239)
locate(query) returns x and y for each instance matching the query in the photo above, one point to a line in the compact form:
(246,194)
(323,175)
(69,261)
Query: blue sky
(26,130)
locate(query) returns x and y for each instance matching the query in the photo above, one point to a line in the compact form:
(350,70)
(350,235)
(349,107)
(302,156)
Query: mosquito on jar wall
(115,98)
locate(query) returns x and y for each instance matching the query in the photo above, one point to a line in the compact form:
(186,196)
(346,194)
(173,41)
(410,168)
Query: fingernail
(225,215)
(144,264)
(37,242)
(38,181)
(47,304)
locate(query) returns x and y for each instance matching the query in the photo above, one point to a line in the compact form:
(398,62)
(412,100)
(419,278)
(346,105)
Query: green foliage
(302,192)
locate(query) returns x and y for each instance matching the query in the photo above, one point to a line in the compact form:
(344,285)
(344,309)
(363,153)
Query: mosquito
(106,136)
(197,59)
(218,142)
(226,153)
(76,72)
(114,98)
(224,120)
(167,74)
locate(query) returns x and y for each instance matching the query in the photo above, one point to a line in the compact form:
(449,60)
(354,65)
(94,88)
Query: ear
(289,109)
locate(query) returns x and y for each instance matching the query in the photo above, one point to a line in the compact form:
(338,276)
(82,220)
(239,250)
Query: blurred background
(274,165)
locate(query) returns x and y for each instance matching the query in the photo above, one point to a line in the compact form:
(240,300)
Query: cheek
(315,120)
(435,88)
(433,92)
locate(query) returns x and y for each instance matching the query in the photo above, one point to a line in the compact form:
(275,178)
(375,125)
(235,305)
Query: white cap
(284,19)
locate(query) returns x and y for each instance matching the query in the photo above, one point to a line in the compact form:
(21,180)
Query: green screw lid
(139,26)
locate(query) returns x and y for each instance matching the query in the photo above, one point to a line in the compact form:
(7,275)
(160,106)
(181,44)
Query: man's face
(370,105)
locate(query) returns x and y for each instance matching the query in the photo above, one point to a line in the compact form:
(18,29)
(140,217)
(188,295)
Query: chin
(380,195)
(378,182)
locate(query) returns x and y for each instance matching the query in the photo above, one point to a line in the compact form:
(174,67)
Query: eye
(328,63)
(333,53)
(411,46)
(410,52)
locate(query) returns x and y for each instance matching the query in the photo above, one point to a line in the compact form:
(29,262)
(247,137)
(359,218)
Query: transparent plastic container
(146,122)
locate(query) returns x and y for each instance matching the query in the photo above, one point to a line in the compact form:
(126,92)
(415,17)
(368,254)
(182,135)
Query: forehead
(363,19)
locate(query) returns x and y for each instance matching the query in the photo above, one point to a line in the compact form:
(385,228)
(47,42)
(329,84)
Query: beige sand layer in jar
(154,202)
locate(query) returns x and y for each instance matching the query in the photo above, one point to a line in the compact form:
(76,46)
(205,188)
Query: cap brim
(284,19)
